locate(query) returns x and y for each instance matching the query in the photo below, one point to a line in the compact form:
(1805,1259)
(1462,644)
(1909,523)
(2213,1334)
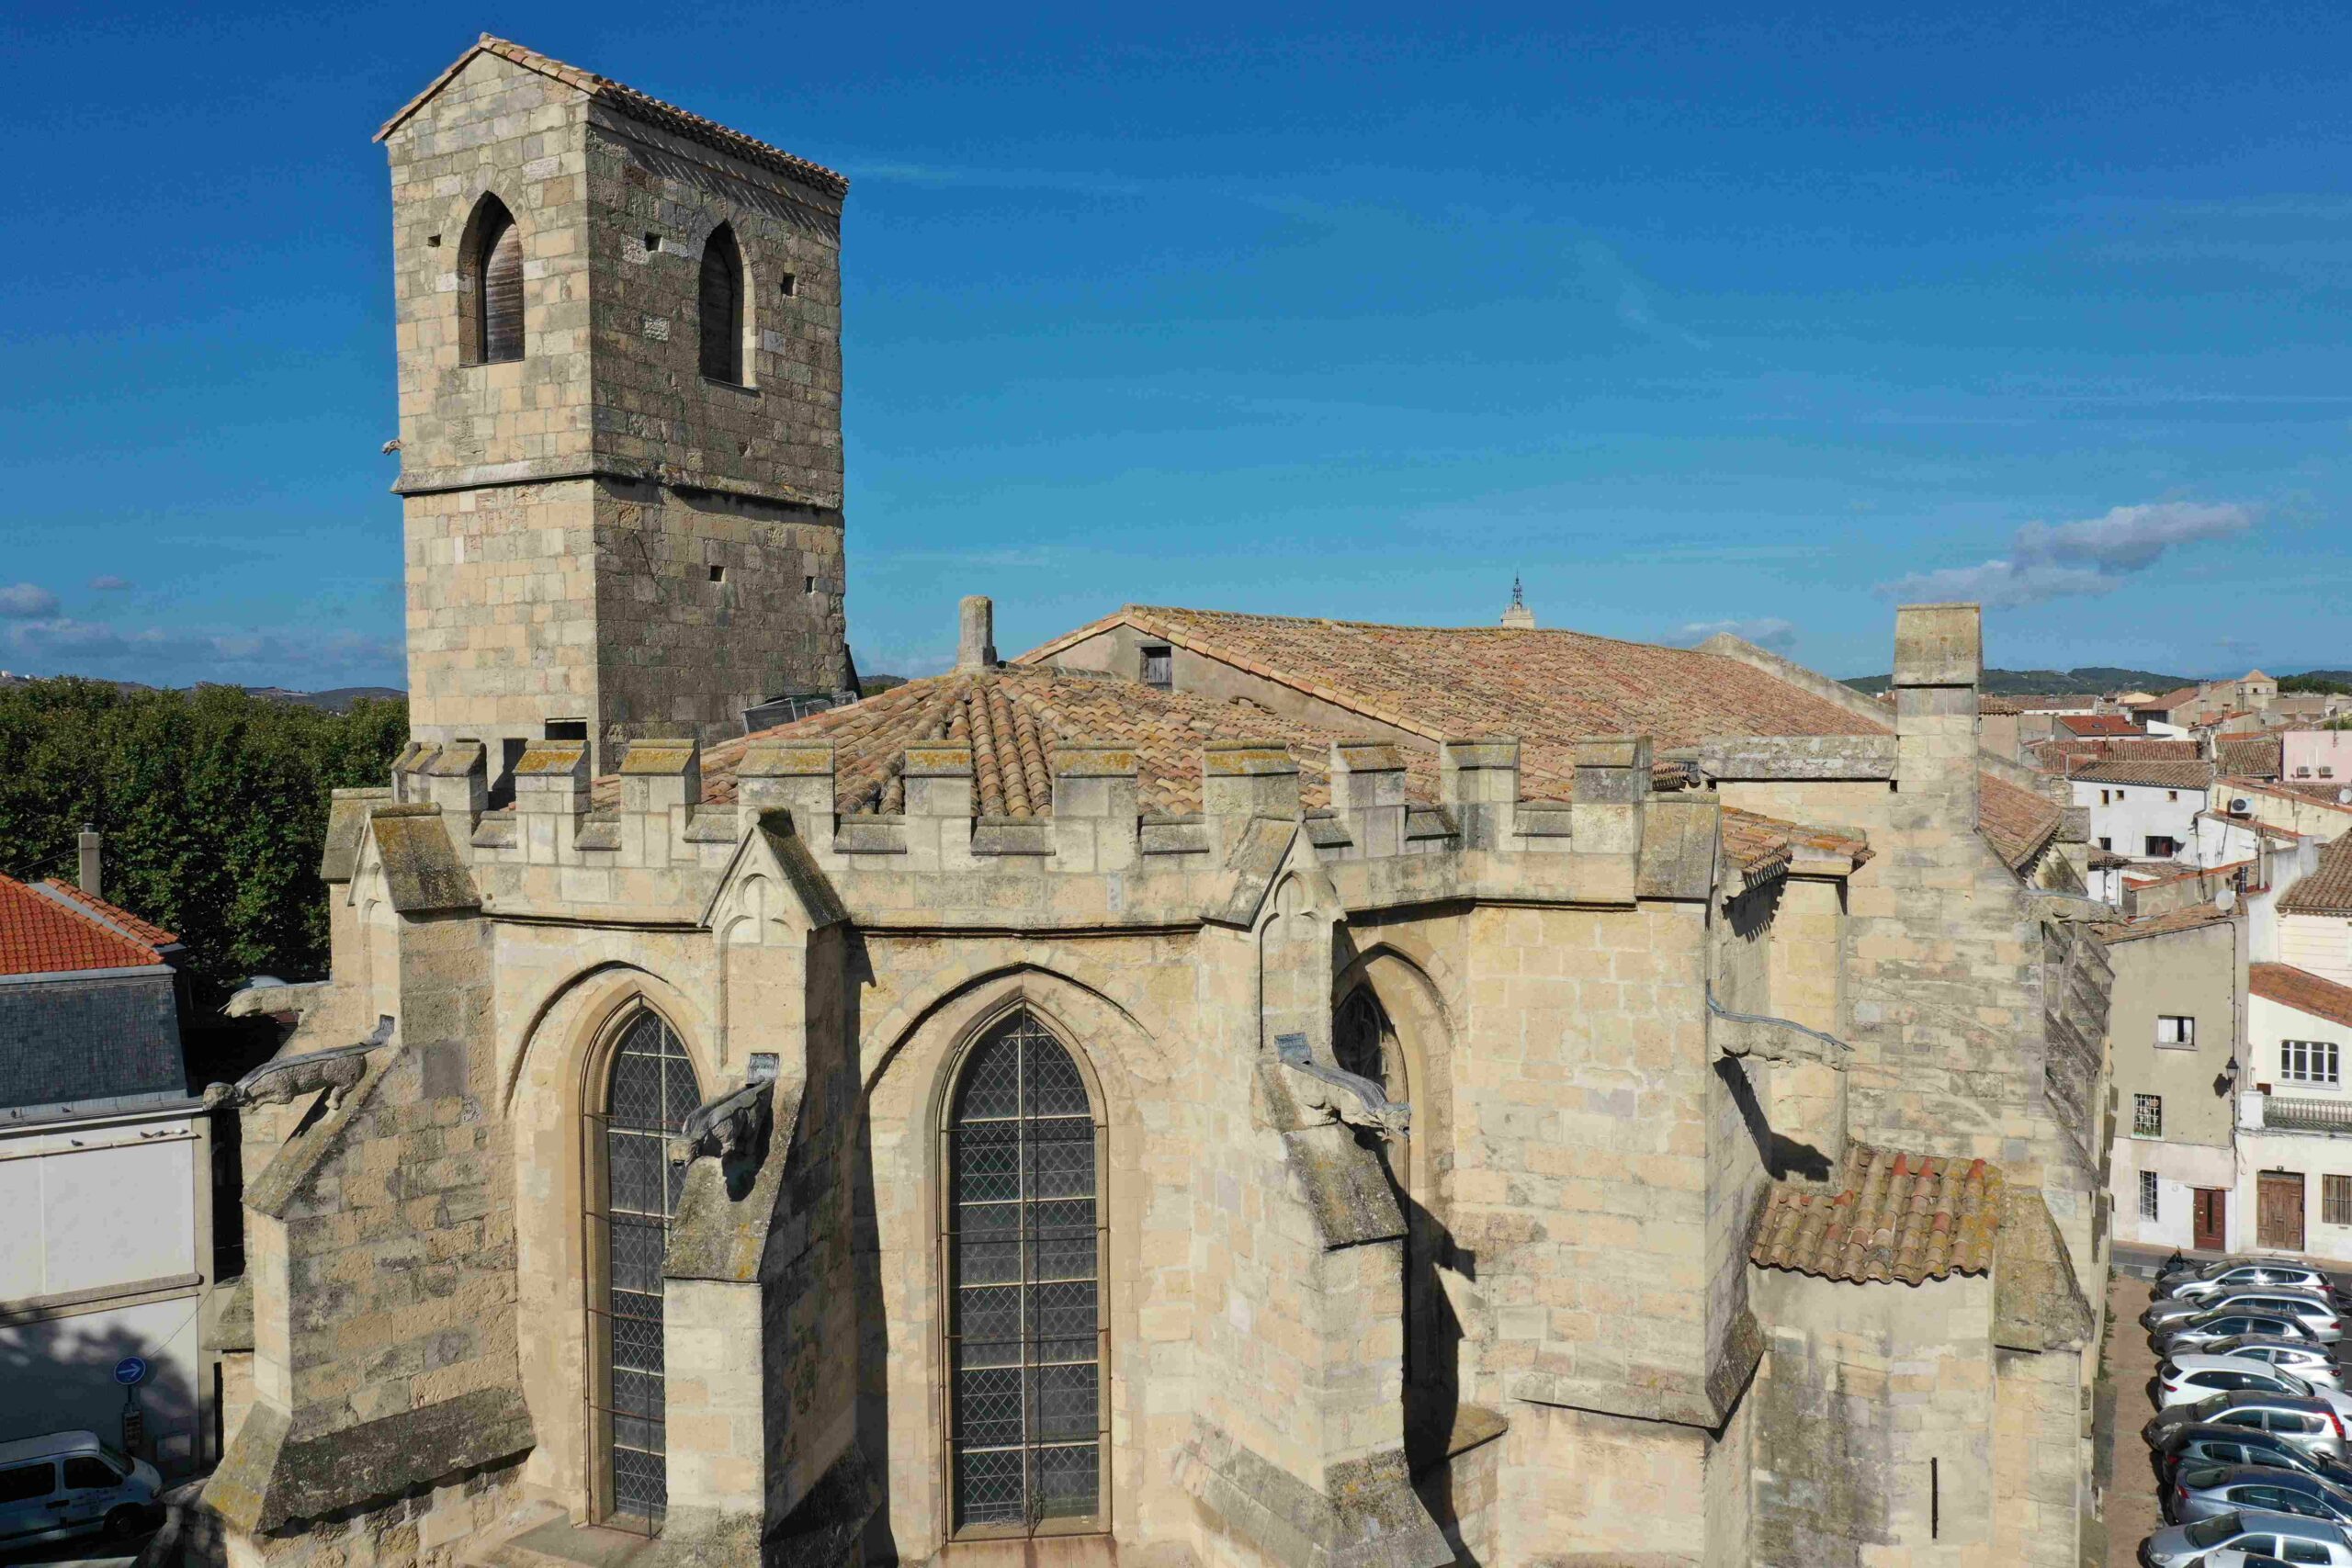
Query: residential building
(2316,916)
(106,1181)
(2255,757)
(2295,1124)
(1218,1089)
(2175,1025)
(2316,757)
(2146,809)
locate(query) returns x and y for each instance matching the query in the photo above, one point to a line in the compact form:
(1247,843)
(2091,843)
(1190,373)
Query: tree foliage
(213,803)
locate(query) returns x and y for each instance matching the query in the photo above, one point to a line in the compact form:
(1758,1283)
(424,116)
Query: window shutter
(722,308)
(502,297)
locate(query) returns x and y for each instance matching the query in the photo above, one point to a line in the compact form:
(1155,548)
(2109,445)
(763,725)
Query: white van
(69,1483)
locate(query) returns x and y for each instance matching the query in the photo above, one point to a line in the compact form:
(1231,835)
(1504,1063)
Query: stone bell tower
(620,377)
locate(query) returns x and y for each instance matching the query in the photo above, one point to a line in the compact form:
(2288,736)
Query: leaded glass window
(649,1093)
(1024,1253)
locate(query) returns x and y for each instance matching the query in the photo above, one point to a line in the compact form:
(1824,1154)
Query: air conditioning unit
(2240,805)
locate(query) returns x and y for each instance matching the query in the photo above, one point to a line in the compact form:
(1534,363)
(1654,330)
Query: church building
(1214,1090)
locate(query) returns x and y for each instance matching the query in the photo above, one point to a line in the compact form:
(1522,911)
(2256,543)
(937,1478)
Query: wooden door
(2279,1209)
(2212,1224)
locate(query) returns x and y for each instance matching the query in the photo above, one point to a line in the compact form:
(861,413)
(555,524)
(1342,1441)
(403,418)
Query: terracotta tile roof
(2328,890)
(2195,917)
(2067,752)
(2179,696)
(2051,703)
(2089,724)
(2016,821)
(2256,759)
(2302,990)
(1988,703)
(637,105)
(1013,717)
(53,929)
(1547,687)
(2148,772)
(1892,1216)
(2192,874)
(123,919)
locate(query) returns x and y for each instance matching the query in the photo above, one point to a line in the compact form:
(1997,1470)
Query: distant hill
(2052,682)
(336,700)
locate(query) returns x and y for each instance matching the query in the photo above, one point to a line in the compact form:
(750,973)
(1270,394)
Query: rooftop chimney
(1518,614)
(87,875)
(976,641)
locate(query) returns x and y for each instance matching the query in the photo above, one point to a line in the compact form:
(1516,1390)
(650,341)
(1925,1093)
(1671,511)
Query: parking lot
(2126,1397)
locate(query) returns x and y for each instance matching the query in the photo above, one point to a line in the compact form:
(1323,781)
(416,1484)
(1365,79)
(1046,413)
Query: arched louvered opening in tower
(490,297)
(721,306)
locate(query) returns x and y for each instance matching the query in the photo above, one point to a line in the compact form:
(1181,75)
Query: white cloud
(1766,631)
(298,658)
(2087,557)
(107,582)
(22,601)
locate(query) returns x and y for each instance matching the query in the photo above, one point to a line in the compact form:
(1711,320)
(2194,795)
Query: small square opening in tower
(808,585)
(718,574)
(652,243)
(789,285)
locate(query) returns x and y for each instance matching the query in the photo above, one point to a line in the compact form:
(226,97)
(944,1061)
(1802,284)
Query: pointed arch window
(1023,1237)
(491,299)
(649,1090)
(721,306)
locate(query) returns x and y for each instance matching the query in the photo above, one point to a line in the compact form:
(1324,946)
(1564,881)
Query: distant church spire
(1518,614)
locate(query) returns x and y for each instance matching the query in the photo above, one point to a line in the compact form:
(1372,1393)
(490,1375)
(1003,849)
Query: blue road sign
(131,1370)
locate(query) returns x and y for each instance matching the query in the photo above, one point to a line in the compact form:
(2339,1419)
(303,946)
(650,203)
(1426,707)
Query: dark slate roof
(88,1043)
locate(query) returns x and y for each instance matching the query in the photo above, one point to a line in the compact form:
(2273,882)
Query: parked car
(2254,1273)
(2194,1333)
(2230,1557)
(2311,1424)
(2200,1492)
(2194,1383)
(2220,1443)
(2175,1371)
(69,1483)
(2316,1313)
(2312,1362)
(2261,1534)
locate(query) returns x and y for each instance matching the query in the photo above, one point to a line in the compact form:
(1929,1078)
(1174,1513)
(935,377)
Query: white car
(2312,1362)
(2188,1382)
(69,1483)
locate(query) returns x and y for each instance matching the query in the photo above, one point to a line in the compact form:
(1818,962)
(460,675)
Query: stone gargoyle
(282,1083)
(1333,1094)
(724,1126)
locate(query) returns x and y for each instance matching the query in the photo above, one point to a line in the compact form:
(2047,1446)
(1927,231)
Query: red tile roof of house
(2328,889)
(2147,772)
(2196,917)
(2302,990)
(53,928)
(2256,758)
(2100,723)
(637,105)
(1892,1216)
(1547,687)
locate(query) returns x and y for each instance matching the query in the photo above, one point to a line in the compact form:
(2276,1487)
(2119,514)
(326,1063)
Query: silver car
(2253,1271)
(2317,1314)
(2309,1423)
(2194,1334)
(2312,1362)
(2259,1534)
(2214,1442)
(2203,1491)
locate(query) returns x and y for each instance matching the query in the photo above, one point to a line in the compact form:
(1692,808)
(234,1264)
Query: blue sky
(1691,316)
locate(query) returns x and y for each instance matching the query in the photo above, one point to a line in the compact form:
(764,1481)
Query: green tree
(213,803)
